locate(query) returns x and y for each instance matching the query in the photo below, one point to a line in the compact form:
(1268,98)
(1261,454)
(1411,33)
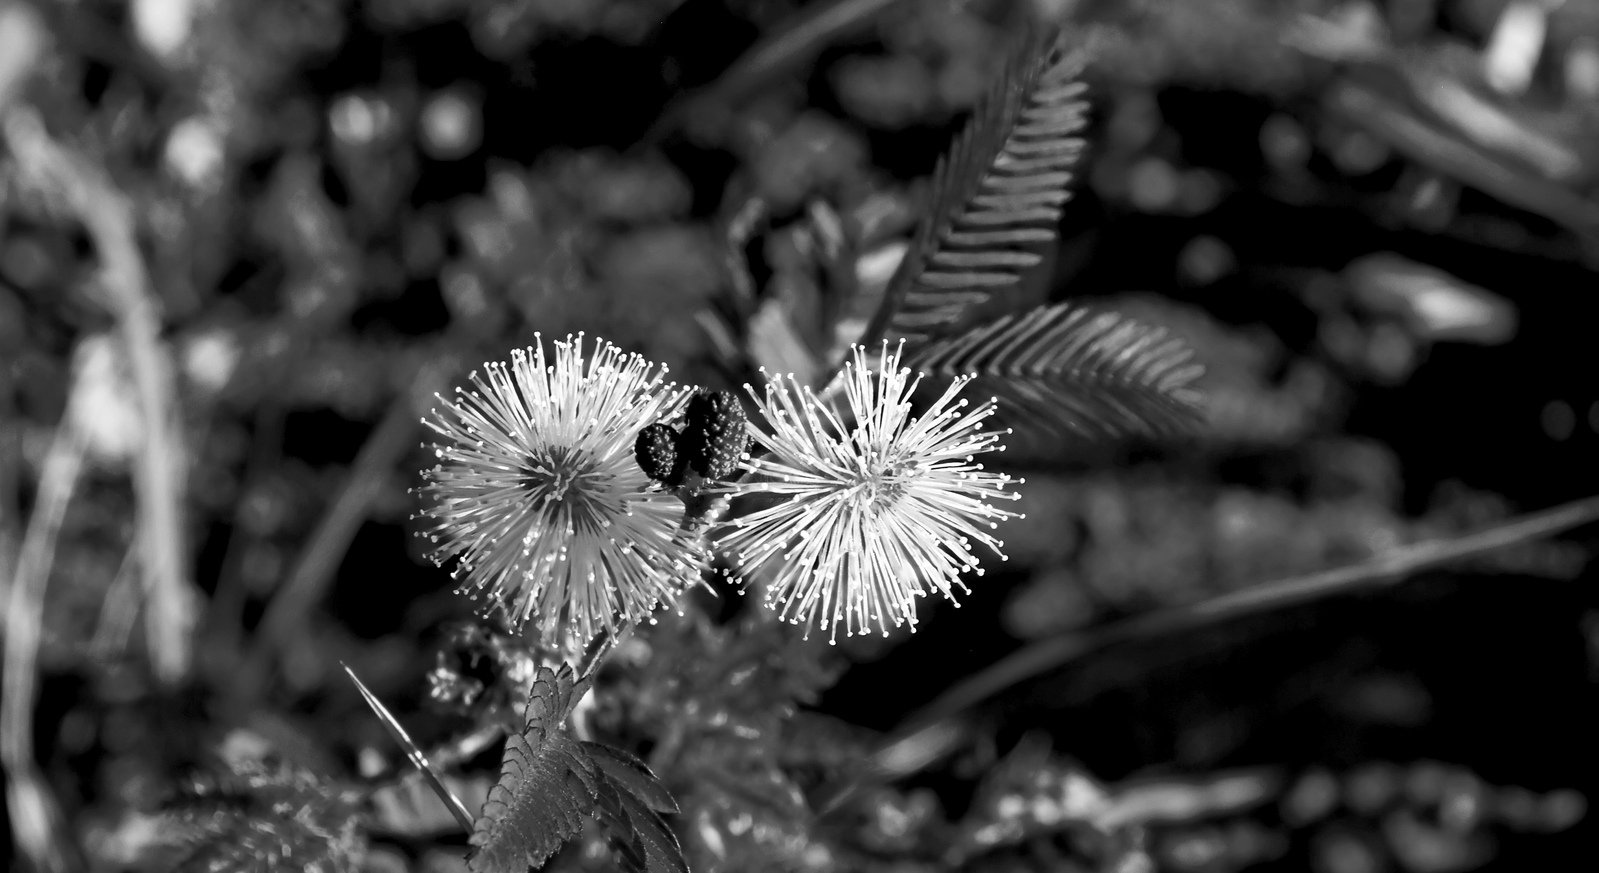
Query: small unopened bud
(656,451)
(716,434)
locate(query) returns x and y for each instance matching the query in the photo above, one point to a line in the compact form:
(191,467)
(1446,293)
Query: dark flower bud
(715,436)
(656,451)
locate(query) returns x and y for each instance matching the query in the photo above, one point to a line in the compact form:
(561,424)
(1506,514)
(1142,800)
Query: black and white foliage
(1069,370)
(997,194)
(551,784)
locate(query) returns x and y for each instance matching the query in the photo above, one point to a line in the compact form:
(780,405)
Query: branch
(33,810)
(318,562)
(791,45)
(929,733)
(158,474)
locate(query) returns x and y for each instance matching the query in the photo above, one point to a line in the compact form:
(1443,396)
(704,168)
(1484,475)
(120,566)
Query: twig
(926,735)
(158,474)
(10,490)
(224,619)
(22,41)
(795,42)
(119,612)
(595,653)
(32,809)
(319,560)
(412,752)
(1387,120)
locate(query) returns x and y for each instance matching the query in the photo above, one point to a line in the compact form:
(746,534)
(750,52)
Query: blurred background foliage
(243,241)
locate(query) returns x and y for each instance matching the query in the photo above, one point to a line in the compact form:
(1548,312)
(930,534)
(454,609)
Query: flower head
(537,498)
(872,516)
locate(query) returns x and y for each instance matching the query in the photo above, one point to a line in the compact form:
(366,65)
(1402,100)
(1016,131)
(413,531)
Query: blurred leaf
(258,816)
(776,345)
(1435,305)
(721,704)
(411,809)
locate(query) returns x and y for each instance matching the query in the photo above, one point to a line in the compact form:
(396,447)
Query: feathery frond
(997,195)
(1067,369)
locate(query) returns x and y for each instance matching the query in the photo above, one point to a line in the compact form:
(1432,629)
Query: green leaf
(1070,370)
(546,789)
(997,195)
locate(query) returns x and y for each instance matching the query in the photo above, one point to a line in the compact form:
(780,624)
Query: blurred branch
(22,40)
(158,473)
(926,735)
(794,43)
(35,818)
(223,625)
(1388,120)
(119,612)
(1421,106)
(325,550)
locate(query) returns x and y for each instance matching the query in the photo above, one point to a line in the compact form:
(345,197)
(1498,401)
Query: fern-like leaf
(1068,370)
(546,789)
(997,195)
(550,784)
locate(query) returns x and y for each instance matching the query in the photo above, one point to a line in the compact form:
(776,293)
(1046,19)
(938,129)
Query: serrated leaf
(619,829)
(546,788)
(997,195)
(630,801)
(633,775)
(550,784)
(1067,369)
(643,840)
